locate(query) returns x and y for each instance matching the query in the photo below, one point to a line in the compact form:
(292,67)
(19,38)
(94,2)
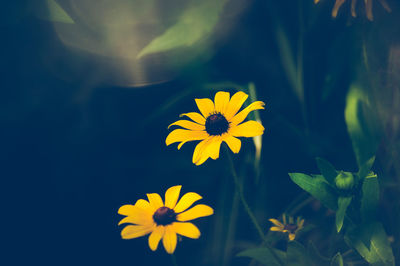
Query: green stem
(173,260)
(239,189)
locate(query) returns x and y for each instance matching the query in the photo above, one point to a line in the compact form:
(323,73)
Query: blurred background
(88,89)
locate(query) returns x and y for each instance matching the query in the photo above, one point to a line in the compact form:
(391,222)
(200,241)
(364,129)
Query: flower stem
(239,188)
(173,260)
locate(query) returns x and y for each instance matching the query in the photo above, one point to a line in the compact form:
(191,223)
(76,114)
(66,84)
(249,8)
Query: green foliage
(296,254)
(264,255)
(52,11)
(370,198)
(337,260)
(318,187)
(362,125)
(194,24)
(343,203)
(379,252)
(327,170)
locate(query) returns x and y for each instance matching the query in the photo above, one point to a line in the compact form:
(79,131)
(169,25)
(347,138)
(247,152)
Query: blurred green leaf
(52,11)
(337,260)
(365,168)
(379,253)
(327,170)
(343,203)
(195,23)
(296,255)
(369,198)
(315,255)
(318,187)
(263,255)
(362,124)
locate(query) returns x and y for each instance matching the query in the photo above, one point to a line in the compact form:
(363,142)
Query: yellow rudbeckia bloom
(368,7)
(219,121)
(163,220)
(287,227)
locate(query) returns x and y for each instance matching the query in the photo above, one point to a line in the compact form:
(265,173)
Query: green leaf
(379,253)
(327,170)
(343,203)
(317,187)
(369,198)
(263,255)
(362,124)
(315,255)
(51,10)
(195,23)
(337,260)
(365,168)
(296,255)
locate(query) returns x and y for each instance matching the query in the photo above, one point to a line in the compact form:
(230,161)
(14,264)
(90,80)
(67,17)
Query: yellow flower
(368,7)
(163,220)
(219,121)
(285,227)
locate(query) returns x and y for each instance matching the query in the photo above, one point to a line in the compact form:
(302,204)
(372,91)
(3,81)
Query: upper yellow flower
(287,227)
(163,220)
(368,7)
(219,121)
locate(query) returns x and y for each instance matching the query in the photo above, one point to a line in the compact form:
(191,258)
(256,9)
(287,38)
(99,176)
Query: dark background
(73,151)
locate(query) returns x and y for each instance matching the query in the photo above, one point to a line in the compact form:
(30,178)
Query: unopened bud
(344,180)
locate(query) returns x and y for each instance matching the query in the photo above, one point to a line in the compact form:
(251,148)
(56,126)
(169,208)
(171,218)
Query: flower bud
(344,180)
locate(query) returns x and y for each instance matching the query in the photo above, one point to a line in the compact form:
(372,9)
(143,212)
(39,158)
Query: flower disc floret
(164,216)
(216,124)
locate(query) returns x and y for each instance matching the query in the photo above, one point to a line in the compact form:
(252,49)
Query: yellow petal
(385,5)
(206,106)
(126,209)
(276,222)
(292,236)
(169,239)
(183,135)
(143,204)
(133,231)
(247,129)
(188,125)
(235,103)
(135,215)
(196,117)
(155,200)
(316,1)
(197,211)
(221,101)
(200,148)
(353,8)
(171,196)
(300,224)
(233,143)
(156,236)
(143,219)
(213,148)
(186,229)
(275,229)
(186,201)
(240,117)
(338,4)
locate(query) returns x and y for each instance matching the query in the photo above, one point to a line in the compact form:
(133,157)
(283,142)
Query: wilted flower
(287,227)
(368,7)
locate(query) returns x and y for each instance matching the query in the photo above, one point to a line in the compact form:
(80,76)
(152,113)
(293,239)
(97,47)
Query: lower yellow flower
(163,220)
(368,7)
(219,121)
(287,227)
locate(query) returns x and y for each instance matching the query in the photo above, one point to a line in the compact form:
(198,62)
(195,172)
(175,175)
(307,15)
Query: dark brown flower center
(164,216)
(291,227)
(216,124)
